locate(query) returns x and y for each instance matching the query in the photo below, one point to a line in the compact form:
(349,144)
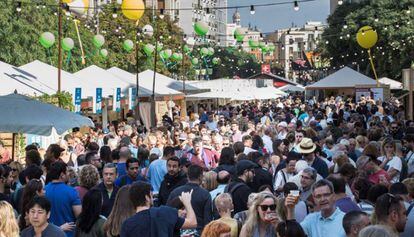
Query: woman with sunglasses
(389,161)
(262,218)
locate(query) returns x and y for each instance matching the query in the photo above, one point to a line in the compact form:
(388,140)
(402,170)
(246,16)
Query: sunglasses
(13,169)
(268,207)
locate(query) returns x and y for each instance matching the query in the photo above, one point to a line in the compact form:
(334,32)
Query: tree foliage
(235,62)
(20,32)
(394,23)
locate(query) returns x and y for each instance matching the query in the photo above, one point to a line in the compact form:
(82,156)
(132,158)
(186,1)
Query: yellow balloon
(367,37)
(133,9)
(66,1)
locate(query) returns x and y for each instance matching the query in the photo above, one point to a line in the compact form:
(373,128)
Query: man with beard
(238,188)
(201,156)
(173,179)
(391,212)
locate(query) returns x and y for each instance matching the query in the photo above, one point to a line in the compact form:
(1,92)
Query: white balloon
(191,41)
(148,30)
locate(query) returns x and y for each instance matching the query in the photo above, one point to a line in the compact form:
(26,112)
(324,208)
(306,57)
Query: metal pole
(137,115)
(153,112)
(59,46)
(182,66)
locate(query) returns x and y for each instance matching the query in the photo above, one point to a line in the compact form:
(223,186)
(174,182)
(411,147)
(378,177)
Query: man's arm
(77,209)
(191,219)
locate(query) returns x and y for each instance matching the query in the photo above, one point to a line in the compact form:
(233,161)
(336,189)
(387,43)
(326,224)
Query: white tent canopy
(48,75)
(297,88)
(145,82)
(394,85)
(131,79)
(94,77)
(343,78)
(13,78)
(209,95)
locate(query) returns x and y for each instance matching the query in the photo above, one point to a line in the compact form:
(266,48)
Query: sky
(270,18)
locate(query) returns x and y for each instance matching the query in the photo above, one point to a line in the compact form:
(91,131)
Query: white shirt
(280,180)
(268,144)
(247,150)
(395,163)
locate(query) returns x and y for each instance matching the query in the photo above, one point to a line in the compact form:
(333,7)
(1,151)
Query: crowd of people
(285,167)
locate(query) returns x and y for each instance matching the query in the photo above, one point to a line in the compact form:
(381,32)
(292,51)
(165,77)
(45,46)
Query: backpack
(233,189)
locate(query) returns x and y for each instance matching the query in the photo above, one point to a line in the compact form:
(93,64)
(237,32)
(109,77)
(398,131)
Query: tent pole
(13,145)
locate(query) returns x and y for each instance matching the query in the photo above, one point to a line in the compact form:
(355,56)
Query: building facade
(292,43)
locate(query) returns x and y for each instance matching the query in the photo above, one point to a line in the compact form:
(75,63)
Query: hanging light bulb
(340,2)
(296,6)
(345,25)
(114,14)
(252,11)
(162,13)
(19,7)
(376,18)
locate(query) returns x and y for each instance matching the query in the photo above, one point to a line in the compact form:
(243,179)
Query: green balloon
(176,56)
(98,41)
(204,52)
(239,35)
(103,53)
(201,28)
(253,43)
(216,61)
(262,45)
(128,45)
(159,47)
(47,39)
(194,61)
(67,44)
(149,49)
(210,51)
(166,54)
(187,49)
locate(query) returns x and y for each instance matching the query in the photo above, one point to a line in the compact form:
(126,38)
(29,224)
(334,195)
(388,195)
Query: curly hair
(88,176)
(215,229)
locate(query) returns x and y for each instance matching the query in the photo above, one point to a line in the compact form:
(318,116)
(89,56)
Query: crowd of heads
(252,163)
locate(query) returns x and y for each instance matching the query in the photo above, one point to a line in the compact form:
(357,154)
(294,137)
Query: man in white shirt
(267,140)
(282,130)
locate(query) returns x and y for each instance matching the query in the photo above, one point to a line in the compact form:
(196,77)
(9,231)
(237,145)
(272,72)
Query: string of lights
(252,8)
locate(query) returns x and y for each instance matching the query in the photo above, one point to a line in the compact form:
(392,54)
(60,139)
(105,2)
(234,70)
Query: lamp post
(59,49)
(137,114)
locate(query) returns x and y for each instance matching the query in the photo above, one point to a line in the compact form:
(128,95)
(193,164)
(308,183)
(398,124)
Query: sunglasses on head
(268,207)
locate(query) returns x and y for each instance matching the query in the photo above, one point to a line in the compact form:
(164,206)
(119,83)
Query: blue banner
(78,100)
(98,104)
(117,100)
(132,98)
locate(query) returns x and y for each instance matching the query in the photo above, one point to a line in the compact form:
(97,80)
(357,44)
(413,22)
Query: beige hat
(306,146)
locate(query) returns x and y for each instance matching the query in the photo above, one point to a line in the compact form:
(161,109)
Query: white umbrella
(22,114)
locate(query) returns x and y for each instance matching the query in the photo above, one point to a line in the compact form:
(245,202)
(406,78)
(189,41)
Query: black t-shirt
(140,223)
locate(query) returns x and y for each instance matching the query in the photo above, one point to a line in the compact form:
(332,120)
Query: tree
(394,23)
(235,62)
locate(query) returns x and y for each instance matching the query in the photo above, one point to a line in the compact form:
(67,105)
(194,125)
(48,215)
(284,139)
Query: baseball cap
(243,165)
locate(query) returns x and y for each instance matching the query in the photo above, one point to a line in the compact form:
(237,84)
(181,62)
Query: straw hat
(306,146)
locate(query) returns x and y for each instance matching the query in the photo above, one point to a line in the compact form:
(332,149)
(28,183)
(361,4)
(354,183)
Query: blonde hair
(253,217)
(224,202)
(8,223)
(210,180)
